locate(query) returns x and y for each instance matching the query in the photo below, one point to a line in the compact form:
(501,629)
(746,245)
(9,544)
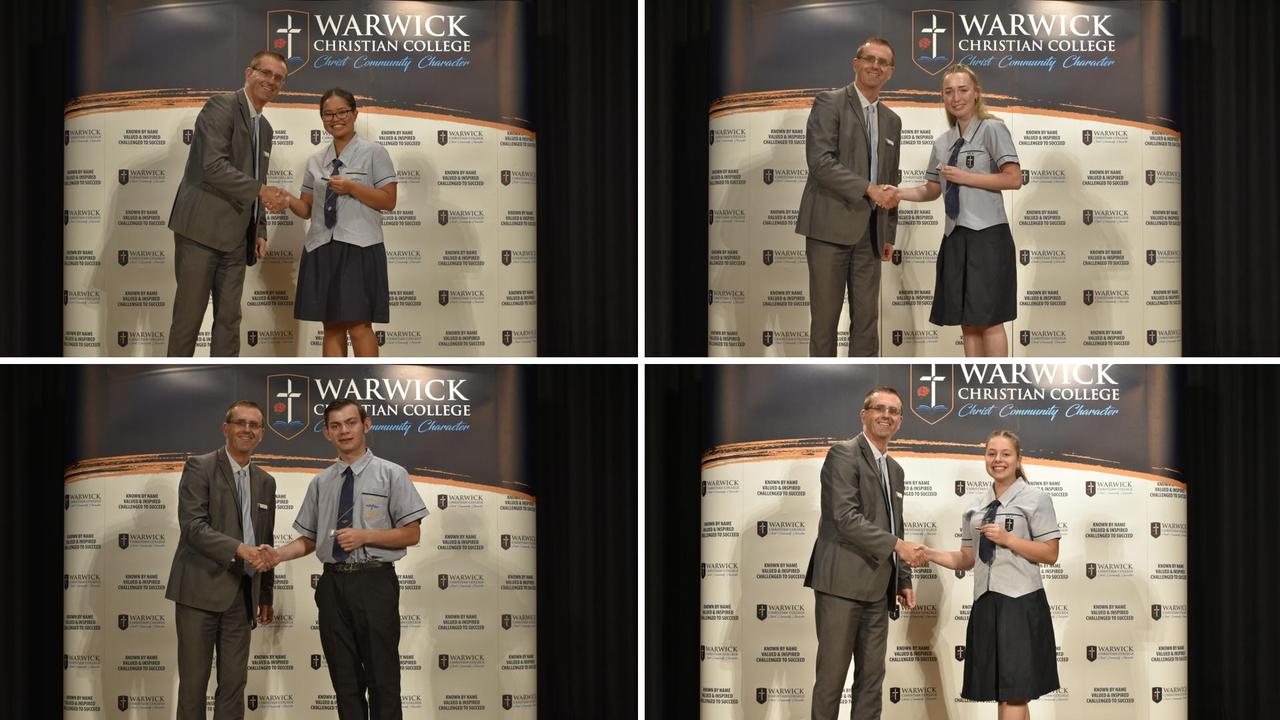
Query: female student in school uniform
(1012,530)
(342,281)
(976,283)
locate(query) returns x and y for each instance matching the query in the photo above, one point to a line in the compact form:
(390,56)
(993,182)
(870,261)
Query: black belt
(357,567)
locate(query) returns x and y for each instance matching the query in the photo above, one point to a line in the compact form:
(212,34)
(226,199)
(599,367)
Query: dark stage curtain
(583,448)
(584,80)
(1231,265)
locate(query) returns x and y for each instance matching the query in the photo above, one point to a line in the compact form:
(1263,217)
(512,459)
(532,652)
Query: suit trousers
(360,634)
(199,632)
(832,269)
(849,628)
(199,270)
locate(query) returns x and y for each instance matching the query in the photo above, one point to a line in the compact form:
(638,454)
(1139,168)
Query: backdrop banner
(1101,440)
(1088,94)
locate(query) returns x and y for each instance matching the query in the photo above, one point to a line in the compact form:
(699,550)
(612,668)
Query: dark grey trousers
(199,632)
(832,269)
(360,634)
(849,629)
(201,270)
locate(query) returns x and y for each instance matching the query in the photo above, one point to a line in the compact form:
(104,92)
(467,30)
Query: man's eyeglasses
(889,410)
(246,424)
(336,114)
(269,75)
(876,61)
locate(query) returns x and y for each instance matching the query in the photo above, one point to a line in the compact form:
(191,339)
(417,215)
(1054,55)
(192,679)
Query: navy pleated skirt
(977,278)
(340,282)
(1010,654)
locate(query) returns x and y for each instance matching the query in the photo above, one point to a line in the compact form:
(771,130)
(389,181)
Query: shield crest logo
(762,611)
(897,257)
(1026,177)
(283,417)
(506,702)
(968,161)
(382,337)
(122,257)
(959,488)
(895,612)
(252,702)
(315,661)
(66,217)
(767,338)
(895,694)
(64,662)
(122,622)
(1090,487)
(1151,257)
(702,653)
(711,137)
(1157,694)
(66,502)
(442,137)
(66,581)
(702,571)
(442,581)
(933,39)
(1024,257)
(711,217)
(442,217)
(315,137)
(1155,529)
(122,702)
(767,257)
(704,488)
(1088,297)
(1024,337)
(252,337)
(443,297)
(66,296)
(1091,570)
(505,177)
(315,581)
(122,338)
(1157,612)
(442,502)
(123,540)
(443,662)
(934,396)
(1151,177)
(762,695)
(289,33)
(768,176)
(762,528)
(1086,136)
(1088,217)
(1008,524)
(123,176)
(506,257)
(897,338)
(66,137)
(188,135)
(506,337)
(506,542)
(959,574)
(1091,652)
(1152,337)
(506,622)
(960,653)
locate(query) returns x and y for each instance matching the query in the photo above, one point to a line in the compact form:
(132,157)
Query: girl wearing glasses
(342,281)
(976,282)
(1010,652)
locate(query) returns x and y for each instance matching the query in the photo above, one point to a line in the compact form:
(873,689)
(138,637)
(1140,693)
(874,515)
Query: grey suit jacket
(834,207)
(852,557)
(206,572)
(215,197)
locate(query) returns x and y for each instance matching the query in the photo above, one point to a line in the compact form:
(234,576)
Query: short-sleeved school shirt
(987,146)
(1026,512)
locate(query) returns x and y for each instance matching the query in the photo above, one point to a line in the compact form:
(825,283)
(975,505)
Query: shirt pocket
(1014,523)
(975,159)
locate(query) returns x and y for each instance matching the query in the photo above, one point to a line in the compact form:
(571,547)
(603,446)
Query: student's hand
(350,538)
(955,175)
(995,533)
(341,185)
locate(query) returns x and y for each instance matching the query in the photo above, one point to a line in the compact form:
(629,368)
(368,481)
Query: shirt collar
(359,465)
(331,152)
(875,451)
(249,103)
(863,98)
(1009,495)
(235,466)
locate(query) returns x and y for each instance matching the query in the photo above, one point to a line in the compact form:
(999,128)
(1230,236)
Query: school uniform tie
(986,548)
(873,136)
(246,514)
(331,199)
(952,199)
(345,506)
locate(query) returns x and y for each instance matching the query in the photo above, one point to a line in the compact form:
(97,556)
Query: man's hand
(913,555)
(266,614)
(260,248)
(274,198)
(886,254)
(253,557)
(351,538)
(907,597)
(884,196)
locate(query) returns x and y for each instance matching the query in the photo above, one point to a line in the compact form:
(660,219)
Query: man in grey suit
(860,566)
(848,212)
(222,568)
(219,215)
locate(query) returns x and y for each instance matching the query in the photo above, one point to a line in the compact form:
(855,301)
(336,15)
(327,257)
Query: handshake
(912,554)
(274,198)
(260,558)
(884,196)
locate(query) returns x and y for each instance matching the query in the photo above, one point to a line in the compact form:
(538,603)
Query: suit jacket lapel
(865,445)
(856,109)
(224,469)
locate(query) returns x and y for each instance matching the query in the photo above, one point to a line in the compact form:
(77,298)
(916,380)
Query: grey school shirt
(383,498)
(364,162)
(987,146)
(1026,512)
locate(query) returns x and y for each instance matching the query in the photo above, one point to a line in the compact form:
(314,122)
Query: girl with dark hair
(342,281)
